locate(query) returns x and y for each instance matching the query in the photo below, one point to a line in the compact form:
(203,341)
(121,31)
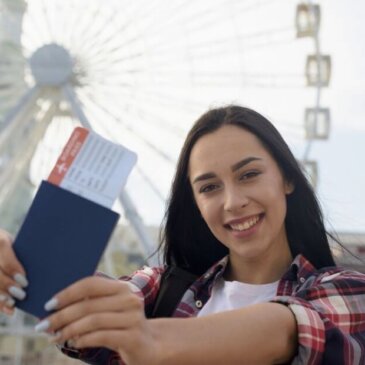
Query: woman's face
(241,193)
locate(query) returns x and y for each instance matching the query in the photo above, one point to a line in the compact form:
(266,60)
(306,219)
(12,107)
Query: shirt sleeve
(96,356)
(330,316)
(145,283)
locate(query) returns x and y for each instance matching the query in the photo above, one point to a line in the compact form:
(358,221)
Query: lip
(248,232)
(242,220)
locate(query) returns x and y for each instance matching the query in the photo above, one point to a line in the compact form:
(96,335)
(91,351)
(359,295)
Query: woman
(243,217)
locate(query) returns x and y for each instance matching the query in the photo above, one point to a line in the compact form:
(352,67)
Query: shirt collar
(299,268)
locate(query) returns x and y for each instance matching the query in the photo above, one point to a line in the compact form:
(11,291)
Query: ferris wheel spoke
(208,48)
(256,4)
(147,26)
(99,40)
(84,28)
(153,96)
(146,114)
(132,129)
(48,25)
(152,185)
(29,40)
(183,17)
(56,21)
(101,43)
(34,25)
(96,39)
(157,120)
(105,59)
(98,82)
(69,23)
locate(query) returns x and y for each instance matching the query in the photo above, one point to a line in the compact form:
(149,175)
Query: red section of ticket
(68,155)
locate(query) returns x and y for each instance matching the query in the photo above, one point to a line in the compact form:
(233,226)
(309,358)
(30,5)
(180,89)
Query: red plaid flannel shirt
(328,304)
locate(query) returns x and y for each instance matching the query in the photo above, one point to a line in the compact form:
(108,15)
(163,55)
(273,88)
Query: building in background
(12,61)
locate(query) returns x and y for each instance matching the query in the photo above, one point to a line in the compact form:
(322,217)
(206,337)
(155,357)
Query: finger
(6,281)
(90,287)
(11,287)
(72,313)
(9,263)
(6,299)
(114,340)
(17,281)
(99,322)
(111,339)
(8,310)
(6,303)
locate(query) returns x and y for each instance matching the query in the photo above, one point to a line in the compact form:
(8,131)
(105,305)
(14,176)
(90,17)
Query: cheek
(277,203)
(208,211)
(204,210)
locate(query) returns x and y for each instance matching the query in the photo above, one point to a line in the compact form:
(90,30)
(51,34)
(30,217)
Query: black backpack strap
(174,283)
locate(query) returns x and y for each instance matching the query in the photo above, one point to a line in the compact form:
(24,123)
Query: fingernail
(52,304)
(42,326)
(21,280)
(17,292)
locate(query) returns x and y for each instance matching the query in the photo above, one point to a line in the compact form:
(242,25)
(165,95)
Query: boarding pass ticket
(93,167)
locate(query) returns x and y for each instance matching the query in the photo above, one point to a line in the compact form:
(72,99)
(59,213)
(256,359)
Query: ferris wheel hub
(51,65)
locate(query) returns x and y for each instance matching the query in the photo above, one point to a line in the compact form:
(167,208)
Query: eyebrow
(244,162)
(235,167)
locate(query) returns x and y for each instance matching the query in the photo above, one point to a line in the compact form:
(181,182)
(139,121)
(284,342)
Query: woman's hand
(100,312)
(12,275)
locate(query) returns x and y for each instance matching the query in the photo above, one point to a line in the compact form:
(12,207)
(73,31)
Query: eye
(249,175)
(208,188)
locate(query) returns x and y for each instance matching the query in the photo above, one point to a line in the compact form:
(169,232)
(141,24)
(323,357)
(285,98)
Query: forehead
(228,144)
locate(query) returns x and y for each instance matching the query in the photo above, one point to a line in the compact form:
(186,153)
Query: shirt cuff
(311,331)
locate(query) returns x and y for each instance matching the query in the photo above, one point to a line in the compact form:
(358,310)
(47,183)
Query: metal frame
(321,64)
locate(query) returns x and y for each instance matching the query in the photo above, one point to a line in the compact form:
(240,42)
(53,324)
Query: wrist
(167,340)
(163,344)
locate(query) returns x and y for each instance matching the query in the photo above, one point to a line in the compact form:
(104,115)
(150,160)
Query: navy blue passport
(61,241)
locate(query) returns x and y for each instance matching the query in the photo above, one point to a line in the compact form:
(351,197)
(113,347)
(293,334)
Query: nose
(235,198)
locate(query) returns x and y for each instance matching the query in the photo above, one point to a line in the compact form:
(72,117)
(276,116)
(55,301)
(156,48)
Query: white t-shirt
(227,295)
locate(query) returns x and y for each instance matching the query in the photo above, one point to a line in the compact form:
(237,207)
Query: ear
(289,187)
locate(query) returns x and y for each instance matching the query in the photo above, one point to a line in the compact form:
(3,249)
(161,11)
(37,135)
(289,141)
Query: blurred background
(140,73)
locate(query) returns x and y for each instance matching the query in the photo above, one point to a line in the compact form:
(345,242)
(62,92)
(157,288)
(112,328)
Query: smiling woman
(241,195)
(245,133)
(243,218)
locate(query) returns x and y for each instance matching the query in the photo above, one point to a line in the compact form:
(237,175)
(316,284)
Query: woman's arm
(98,312)
(259,334)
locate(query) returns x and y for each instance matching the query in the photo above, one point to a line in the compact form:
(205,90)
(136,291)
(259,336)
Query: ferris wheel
(139,73)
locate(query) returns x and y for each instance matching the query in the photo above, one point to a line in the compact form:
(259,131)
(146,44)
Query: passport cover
(61,241)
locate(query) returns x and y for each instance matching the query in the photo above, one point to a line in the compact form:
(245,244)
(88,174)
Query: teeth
(246,225)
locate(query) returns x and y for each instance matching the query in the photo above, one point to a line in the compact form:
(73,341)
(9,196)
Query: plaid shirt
(328,304)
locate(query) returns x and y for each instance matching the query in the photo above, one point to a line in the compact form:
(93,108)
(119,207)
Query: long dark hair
(186,240)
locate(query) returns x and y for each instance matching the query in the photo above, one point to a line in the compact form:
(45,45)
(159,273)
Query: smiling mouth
(244,226)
